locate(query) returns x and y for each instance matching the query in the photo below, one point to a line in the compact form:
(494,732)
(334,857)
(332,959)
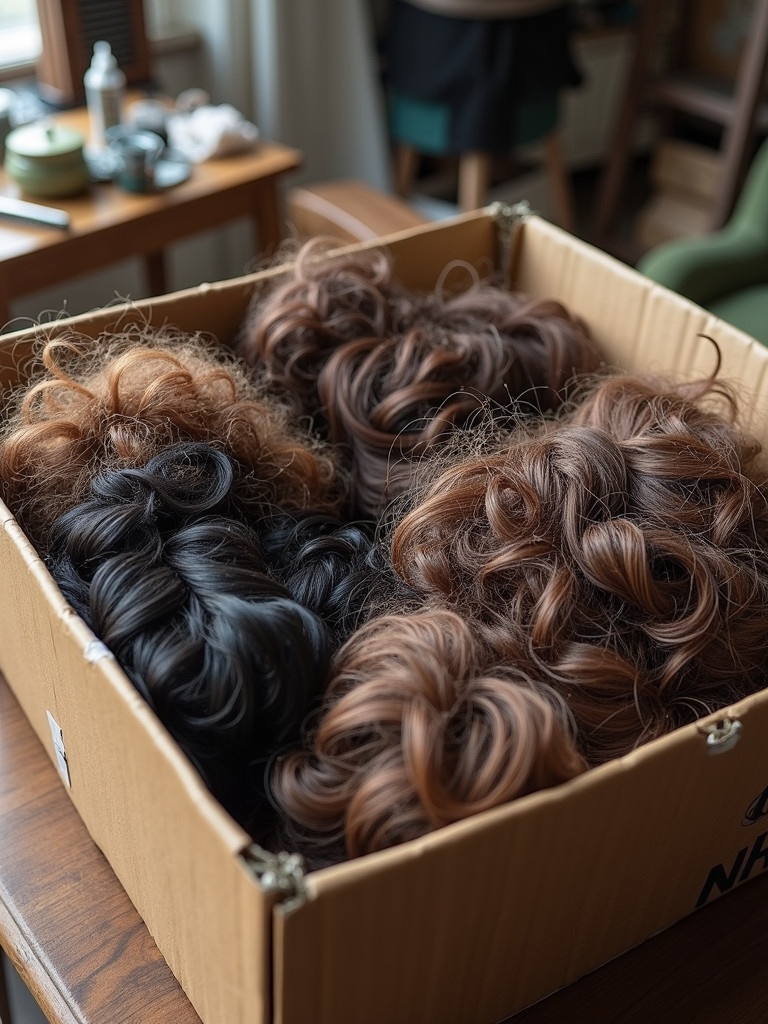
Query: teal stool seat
(426,125)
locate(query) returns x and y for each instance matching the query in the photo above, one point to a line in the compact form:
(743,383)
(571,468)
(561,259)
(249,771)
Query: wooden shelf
(742,113)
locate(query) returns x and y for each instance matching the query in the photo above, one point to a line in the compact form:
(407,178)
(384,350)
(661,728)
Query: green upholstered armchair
(726,272)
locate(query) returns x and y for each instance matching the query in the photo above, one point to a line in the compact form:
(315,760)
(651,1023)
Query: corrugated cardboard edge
(172,847)
(218,307)
(642,326)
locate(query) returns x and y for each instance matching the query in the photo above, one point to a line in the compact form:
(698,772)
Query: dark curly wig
(180,594)
(338,570)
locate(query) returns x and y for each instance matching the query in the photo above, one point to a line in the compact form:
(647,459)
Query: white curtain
(316,86)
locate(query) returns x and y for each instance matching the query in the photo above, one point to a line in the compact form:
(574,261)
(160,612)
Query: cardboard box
(467,924)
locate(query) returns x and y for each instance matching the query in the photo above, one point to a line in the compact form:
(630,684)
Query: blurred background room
(647,136)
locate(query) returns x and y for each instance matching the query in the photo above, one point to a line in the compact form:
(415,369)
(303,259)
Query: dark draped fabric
(482,71)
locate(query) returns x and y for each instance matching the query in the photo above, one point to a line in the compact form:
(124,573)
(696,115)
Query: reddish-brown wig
(115,402)
(620,553)
(417,732)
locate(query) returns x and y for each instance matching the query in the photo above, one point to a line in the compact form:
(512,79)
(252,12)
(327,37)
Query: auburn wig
(116,401)
(388,373)
(320,302)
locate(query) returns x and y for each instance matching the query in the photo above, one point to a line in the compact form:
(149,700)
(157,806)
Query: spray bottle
(104,93)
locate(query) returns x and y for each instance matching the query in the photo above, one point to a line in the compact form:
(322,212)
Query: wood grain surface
(65,921)
(109,224)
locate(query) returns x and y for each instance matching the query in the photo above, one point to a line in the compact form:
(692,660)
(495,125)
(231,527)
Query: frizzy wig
(620,553)
(395,375)
(115,401)
(416,732)
(179,593)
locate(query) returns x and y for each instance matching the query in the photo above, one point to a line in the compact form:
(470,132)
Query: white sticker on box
(58,745)
(96,650)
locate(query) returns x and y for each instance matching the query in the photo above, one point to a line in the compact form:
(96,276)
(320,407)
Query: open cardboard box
(470,923)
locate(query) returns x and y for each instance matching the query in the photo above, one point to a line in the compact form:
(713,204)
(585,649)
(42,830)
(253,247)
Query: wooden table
(66,923)
(109,224)
(78,943)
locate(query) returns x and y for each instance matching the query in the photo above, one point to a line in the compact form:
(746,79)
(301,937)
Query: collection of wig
(394,558)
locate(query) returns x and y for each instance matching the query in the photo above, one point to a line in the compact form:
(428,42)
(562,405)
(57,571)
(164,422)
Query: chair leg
(406,164)
(559,182)
(474,179)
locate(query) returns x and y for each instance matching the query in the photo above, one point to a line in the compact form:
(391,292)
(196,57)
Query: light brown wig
(417,732)
(114,402)
(620,553)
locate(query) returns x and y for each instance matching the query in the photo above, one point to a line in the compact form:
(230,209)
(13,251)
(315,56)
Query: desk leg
(154,269)
(266,217)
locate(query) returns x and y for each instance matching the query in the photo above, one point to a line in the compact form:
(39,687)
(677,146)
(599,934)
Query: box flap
(639,325)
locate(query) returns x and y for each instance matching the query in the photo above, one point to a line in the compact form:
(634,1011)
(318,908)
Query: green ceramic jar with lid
(46,160)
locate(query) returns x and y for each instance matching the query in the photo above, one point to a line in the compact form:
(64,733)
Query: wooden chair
(475,177)
(349,211)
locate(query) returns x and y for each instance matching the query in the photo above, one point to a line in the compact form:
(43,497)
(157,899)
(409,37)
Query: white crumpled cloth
(209,131)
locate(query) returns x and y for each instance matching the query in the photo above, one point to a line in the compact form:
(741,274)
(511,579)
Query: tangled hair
(115,402)
(391,372)
(621,554)
(486,351)
(415,734)
(180,595)
(337,570)
(324,301)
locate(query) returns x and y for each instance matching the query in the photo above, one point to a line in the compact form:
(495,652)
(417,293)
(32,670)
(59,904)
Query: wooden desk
(109,224)
(78,943)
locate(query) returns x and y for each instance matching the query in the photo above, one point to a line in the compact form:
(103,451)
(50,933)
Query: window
(19,32)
